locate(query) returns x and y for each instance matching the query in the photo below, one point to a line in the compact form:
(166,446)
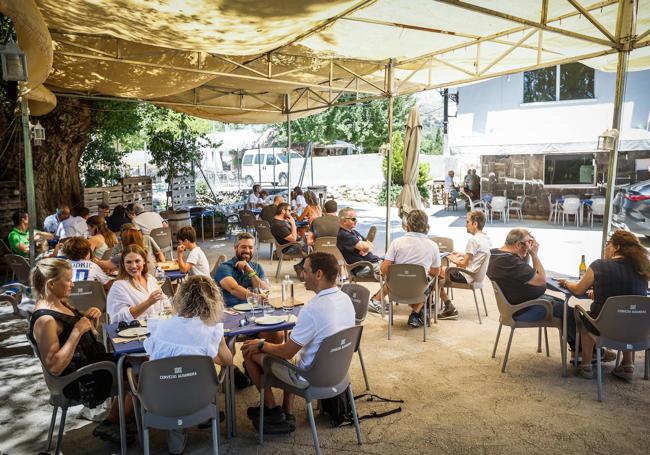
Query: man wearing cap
(147,221)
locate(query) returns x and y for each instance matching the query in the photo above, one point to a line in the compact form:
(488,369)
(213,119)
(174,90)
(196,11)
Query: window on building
(574,169)
(573,81)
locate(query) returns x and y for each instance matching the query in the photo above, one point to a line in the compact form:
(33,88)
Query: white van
(266,165)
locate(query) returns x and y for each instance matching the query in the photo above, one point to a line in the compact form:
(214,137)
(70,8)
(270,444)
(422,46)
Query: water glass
(253,298)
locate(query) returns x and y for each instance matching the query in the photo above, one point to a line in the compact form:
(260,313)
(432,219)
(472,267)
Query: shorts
(457,277)
(366,271)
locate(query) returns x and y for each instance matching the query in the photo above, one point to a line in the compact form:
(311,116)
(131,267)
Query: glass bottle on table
(583,267)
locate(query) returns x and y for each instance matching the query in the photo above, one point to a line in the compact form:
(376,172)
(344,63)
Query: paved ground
(456,399)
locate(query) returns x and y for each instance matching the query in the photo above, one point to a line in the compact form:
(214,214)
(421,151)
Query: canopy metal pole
(389,169)
(259,166)
(288,106)
(29,171)
(625,28)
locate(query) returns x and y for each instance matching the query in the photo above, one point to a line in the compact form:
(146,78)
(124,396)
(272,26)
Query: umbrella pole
(625,27)
(389,168)
(288,100)
(29,171)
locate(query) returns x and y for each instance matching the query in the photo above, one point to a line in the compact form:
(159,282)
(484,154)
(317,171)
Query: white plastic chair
(571,206)
(499,204)
(597,209)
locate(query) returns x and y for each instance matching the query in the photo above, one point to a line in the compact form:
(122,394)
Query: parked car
(631,207)
(268,165)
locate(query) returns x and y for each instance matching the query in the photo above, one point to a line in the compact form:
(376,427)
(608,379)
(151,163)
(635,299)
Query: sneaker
(414,320)
(607,355)
(450,312)
(272,416)
(625,372)
(375,306)
(241,379)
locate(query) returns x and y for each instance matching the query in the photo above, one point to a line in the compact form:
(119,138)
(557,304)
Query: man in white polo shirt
(476,253)
(414,248)
(329,312)
(147,221)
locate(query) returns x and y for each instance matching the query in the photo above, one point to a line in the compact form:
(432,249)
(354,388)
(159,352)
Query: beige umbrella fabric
(409,198)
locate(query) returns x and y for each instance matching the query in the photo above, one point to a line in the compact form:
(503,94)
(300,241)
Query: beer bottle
(583,267)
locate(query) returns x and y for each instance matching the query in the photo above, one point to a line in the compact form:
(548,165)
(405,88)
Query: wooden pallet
(137,190)
(9,203)
(183,191)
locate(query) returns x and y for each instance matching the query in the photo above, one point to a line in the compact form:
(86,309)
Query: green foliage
(394,192)
(397,172)
(364,124)
(432,143)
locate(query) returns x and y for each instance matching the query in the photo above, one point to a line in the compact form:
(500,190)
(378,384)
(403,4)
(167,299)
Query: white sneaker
(375,306)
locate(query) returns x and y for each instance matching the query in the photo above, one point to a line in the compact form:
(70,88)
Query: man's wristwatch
(260,345)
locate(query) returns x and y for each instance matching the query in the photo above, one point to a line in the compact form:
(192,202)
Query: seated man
(413,248)
(477,250)
(284,230)
(329,312)
(78,251)
(18,238)
(270,210)
(147,221)
(254,201)
(328,224)
(51,222)
(450,188)
(75,226)
(354,247)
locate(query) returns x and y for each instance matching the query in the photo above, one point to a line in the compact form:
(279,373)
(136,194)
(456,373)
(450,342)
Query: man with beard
(239,273)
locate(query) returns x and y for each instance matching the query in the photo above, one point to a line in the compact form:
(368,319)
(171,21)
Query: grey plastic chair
(445,244)
(327,377)
(506,313)
(87,294)
(56,384)
(247,220)
(264,235)
(16,295)
(168,288)
(327,244)
(174,393)
(163,238)
(19,266)
(623,324)
(360,297)
(325,226)
(408,284)
(220,260)
(477,283)
(281,251)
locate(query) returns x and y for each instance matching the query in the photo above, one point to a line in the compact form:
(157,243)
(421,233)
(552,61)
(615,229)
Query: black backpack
(339,408)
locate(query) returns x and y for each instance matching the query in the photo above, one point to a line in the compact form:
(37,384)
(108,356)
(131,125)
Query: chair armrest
(133,384)
(579,311)
(269,360)
(287,245)
(64,381)
(458,269)
(531,303)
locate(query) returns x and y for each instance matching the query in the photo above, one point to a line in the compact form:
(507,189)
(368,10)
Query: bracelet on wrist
(252,274)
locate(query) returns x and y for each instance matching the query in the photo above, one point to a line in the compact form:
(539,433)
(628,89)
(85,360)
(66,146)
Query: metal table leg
(565,370)
(120,403)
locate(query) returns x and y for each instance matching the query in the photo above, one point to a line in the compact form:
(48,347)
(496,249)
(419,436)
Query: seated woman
(310,212)
(117,219)
(66,340)
(298,203)
(129,235)
(195,330)
(626,260)
(101,240)
(135,294)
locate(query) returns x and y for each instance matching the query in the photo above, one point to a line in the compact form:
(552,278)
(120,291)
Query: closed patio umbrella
(409,198)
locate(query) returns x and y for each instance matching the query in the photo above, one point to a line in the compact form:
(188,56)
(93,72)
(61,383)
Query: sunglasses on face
(351,218)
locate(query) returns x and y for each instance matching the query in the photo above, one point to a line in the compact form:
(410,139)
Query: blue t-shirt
(227,269)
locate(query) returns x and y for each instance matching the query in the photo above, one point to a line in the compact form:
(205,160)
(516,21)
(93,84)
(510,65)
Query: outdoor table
(553,285)
(175,275)
(232,329)
(303,223)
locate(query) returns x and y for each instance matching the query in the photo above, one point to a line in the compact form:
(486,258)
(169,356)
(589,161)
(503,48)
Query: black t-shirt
(614,277)
(511,273)
(115,223)
(345,241)
(280,229)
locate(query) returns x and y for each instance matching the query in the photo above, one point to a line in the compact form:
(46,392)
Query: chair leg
(505,359)
(363,370)
(599,374)
(546,342)
(484,305)
(277,271)
(424,326)
(539,339)
(312,424)
(354,414)
(576,353)
(59,438)
(138,418)
(647,364)
(271,253)
(478,312)
(496,342)
(390,317)
(145,436)
(215,435)
(261,419)
(51,430)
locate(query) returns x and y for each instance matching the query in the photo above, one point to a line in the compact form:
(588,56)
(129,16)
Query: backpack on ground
(339,408)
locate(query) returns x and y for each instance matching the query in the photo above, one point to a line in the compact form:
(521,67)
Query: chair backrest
(19,266)
(87,294)
(328,245)
(220,260)
(332,360)
(325,226)
(263,229)
(625,318)
(163,238)
(498,203)
(167,288)
(247,220)
(598,206)
(445,244)
(360,296)
(407,283)
(482,270)
(504,307)
(178,386)
(571,205)
(4,248)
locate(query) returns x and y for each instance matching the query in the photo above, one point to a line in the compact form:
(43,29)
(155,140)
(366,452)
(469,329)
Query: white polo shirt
(147,221)
(327,313)
(479,246)
(75,226)
(414,248)
(199,261)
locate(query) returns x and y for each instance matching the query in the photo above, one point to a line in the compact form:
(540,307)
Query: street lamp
(14,62)
(38,134)
(607,140)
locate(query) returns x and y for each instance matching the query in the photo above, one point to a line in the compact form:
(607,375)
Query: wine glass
(253,298)
(159,274)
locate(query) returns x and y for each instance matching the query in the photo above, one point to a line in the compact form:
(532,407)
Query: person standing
(450,188)
(475,185)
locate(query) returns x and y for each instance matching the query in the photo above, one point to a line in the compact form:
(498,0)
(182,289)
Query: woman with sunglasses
(625,270)
(135,294)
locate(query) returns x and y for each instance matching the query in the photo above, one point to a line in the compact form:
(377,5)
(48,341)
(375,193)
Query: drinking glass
(287,304)
(265,292)
(253,298)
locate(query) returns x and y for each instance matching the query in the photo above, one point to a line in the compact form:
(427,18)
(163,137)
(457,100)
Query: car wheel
(283,179)
(248,180)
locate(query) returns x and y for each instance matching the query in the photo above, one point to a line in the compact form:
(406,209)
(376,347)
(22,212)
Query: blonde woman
(135,294)
(195,330)
(66,340)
